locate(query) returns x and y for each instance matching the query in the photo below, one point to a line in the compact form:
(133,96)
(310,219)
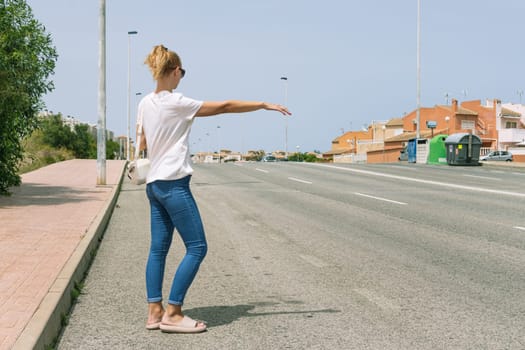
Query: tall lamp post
(383,127)
(219,141)
(136,95)
(418,113)
(130,33)
(101,127)
(285,80)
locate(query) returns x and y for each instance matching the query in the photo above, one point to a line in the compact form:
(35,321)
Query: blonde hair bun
(161,61)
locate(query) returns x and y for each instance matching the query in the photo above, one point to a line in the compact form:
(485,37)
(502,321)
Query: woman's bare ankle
(155,310)
(174,313)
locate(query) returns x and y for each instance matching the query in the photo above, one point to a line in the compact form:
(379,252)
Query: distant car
(498,155)
(403,154)
(269,159)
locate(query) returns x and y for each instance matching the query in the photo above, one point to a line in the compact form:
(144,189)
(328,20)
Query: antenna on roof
(520,93)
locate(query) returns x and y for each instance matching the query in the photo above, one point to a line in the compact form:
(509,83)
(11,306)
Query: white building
(511,125)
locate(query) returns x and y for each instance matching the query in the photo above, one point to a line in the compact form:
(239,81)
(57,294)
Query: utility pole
(101,126)
(285,79)
(130,33)
(418,112)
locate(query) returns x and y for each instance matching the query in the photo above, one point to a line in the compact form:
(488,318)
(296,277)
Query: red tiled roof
(464,111)
(395,122)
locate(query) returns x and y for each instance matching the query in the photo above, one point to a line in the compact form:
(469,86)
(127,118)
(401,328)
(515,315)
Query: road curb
(47,321)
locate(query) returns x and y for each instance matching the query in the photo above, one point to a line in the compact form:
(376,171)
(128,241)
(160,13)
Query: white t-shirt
(166,119)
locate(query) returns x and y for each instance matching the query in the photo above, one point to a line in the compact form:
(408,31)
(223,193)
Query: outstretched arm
(213,108)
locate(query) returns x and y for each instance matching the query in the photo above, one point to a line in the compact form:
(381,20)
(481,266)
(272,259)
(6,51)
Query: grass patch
(38,154)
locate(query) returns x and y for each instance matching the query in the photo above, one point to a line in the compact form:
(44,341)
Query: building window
(467,124)
(511,125)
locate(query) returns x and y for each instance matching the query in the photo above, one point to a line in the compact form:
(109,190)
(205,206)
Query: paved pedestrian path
(47,228)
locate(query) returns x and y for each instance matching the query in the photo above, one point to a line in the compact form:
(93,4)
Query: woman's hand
(278,108)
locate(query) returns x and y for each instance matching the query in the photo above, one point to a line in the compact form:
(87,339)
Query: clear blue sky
(347,62)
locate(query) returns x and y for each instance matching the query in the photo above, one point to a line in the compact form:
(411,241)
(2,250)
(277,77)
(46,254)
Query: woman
(167,119)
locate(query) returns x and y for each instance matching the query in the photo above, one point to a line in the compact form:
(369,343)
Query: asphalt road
(305,256)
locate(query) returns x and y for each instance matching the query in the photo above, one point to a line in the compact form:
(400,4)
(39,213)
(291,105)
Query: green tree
(80,141)
(56,134)
(112,149)
(83,141)
(27,59)
(303,157)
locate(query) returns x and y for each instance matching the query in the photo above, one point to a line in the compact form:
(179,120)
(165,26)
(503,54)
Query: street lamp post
(285,80)
(383,127)
(219,141)
(210,150)
(136,95)
(418,113)
(130,33)
(101,127)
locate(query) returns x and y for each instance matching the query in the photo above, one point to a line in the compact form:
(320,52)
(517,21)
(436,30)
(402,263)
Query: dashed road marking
(299,180)
(380,199)
(482,177)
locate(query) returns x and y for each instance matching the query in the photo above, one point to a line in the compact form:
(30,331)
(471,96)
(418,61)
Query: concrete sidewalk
(49,227)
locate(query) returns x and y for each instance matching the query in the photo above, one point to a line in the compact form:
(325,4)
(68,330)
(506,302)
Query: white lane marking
(515,173)
(404,178)
(313,260)
(379,198)
(482,177)
(403,167)
(519,228)
(262,171)
(377,299)
(299,180)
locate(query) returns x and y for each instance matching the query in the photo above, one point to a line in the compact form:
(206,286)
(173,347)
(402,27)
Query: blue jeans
(173,207)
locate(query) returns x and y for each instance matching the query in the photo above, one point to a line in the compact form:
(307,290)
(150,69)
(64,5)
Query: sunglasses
(182,72)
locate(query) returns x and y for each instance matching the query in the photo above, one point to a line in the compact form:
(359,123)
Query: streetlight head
(284,78)
(132,32)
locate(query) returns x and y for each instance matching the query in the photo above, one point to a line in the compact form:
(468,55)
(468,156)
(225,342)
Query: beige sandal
(187,325)
(153,326)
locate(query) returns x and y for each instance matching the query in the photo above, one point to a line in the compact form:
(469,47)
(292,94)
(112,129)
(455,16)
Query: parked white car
(498,155)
